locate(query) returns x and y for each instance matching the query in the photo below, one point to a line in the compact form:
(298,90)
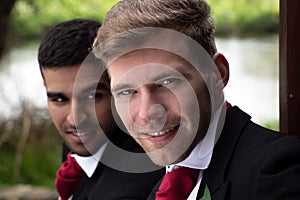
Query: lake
(253,83)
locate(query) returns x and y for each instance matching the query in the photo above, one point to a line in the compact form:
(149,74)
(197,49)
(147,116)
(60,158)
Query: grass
(41,155)
(37,168)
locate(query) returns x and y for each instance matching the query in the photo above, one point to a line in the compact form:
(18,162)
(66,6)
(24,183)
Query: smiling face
(78,114)
(163,101)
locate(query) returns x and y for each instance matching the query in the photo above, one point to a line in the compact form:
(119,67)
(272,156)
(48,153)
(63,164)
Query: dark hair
(67,43)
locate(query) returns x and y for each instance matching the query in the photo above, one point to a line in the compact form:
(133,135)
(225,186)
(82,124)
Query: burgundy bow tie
(68,177)
(178,184)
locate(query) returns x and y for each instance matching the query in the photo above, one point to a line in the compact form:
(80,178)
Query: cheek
(174,106)
(126,112)
(204,107)
(102,110)
(183,101)
(204,98)
(57,114)
(104,115)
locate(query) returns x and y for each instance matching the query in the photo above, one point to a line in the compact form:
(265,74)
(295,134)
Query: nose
(151,106)
(77,114)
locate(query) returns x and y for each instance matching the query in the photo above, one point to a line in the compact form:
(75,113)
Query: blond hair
(190,17)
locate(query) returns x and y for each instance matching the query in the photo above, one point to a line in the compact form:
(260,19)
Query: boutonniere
(206,195)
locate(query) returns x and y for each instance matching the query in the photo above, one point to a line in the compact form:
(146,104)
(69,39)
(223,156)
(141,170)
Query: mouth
(80,135)
(159,135)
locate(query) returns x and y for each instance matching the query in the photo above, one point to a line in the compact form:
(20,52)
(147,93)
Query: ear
(223,66)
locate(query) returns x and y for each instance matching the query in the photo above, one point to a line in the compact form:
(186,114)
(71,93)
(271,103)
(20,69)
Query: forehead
(79,76)
(147,63)
(55,76)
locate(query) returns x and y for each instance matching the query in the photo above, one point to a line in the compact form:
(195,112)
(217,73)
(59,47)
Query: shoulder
(116,184)
(264,159)
(279,167)
(260,141)
(239,123)
(117,177)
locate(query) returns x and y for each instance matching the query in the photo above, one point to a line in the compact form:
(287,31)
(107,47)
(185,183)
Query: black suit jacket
(250,162)
(111,184)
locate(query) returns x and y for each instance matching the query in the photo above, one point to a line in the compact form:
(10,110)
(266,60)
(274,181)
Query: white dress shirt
(89,163)
(201,155)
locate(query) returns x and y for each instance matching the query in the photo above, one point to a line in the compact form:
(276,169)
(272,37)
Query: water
(253,83)
(20,80)
(254,75)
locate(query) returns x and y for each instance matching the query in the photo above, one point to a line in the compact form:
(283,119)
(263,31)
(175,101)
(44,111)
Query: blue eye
(127,92)
(168,81)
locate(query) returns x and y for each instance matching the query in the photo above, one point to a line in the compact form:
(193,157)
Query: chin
(81,151)
(165,158)
(159,161)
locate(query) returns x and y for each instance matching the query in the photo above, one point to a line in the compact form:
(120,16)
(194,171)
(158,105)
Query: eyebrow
(120,87)
(55,94)
(176,70)
(98,86)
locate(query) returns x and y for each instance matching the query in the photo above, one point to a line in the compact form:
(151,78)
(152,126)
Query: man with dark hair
(167,79)
(79,102)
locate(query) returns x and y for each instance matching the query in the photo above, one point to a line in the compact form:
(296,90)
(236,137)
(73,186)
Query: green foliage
(6,167)
(273,125)
(32,17)
(245,16)
(40,164)
(38,167)
(41,156)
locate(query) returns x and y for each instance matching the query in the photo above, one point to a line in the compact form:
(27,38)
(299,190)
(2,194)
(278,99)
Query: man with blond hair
(167,80)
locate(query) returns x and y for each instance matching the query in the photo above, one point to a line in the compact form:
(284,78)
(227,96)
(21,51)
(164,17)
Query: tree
(6,7)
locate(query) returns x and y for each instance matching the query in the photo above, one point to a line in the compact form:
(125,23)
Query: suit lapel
(152,195)
(215,177)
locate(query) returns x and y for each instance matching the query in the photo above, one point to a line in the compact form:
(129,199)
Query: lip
(171,132)
(80,136)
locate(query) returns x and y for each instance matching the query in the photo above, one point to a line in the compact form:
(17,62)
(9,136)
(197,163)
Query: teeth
(80,134)
(161,133)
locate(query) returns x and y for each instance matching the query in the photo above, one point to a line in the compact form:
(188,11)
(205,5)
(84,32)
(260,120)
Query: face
(78,109)
(163,101)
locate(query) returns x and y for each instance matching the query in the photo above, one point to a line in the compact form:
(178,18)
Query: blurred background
(30,147)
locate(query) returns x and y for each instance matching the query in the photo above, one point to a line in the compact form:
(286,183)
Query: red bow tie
(68,177)
(178,184)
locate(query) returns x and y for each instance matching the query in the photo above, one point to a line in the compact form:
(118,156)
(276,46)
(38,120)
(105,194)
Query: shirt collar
(89,163)
(201,155)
